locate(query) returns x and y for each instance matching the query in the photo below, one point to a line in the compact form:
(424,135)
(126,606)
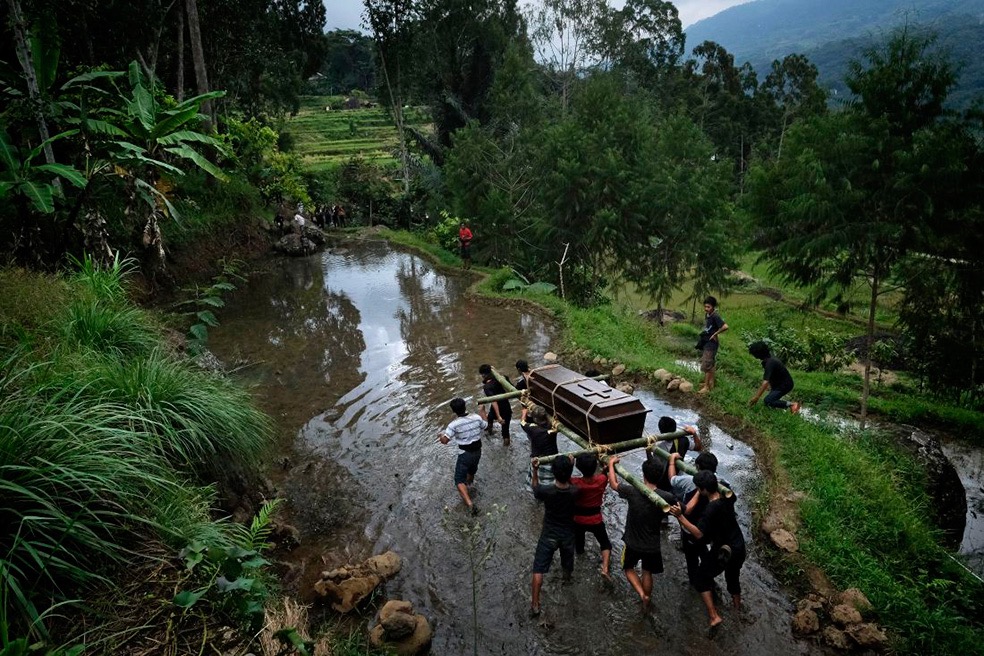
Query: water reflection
(359,353)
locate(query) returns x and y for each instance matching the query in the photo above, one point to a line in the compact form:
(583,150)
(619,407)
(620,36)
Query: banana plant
(144,140)
(21,176)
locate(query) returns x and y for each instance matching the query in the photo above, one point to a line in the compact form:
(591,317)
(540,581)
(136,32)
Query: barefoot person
(708,344)
(499,411)
(718,528)
(642,522)
(776,379)
(466,433)
(587,512)
(558,526)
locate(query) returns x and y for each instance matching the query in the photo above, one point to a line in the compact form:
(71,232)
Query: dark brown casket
(600,413)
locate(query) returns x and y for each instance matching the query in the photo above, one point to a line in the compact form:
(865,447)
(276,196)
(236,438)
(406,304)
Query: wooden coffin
(591,408)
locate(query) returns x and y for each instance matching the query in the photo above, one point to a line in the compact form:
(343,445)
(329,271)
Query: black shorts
(598,530)
(466,465)
(652,561)
(547,545)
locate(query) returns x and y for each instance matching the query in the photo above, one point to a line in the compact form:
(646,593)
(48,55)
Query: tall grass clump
(109,446)
(75,489)
(96,325)
(199,422)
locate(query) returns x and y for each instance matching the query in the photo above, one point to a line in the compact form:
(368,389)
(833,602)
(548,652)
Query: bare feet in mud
(605,574)
(715,624)
(646,604)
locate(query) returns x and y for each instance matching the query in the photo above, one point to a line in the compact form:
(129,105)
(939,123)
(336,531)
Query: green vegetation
(110,444)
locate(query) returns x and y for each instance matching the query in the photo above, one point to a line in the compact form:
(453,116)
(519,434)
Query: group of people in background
(324,216)
(712,541)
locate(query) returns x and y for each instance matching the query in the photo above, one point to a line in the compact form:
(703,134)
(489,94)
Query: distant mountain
(831,32)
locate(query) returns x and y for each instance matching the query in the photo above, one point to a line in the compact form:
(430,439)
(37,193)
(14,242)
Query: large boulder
(295,245)
(784,540)
(844,615)
(834,637)
(855,598)
(346,588)
(401,631)
(805,622)
(868,635)
(314,234)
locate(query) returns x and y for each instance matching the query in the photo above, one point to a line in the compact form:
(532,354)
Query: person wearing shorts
(642,522)
(587,512)
(557,533)
(714,325)
(466,433)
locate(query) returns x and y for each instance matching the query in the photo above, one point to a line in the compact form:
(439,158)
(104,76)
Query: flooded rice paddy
(355,353)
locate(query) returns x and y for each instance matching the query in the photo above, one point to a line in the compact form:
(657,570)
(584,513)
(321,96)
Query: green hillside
(325,139)
(831,33)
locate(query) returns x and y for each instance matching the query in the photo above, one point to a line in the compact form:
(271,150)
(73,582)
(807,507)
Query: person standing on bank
(466,432)
(708,344)
(776,379)
(464,243)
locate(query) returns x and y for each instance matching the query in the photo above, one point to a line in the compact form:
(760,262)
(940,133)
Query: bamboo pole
(602,450)
(617,447)
(519,393)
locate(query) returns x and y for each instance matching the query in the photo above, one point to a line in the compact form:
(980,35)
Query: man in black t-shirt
(523,367)
(776,379)
(499,411)
(642,522)
(717,528)
(559,501)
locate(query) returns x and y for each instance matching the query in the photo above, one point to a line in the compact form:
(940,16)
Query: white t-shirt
(465,430)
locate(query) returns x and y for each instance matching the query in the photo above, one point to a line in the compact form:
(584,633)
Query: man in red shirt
(464,241)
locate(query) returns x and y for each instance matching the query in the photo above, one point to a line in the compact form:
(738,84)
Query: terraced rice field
(326,139)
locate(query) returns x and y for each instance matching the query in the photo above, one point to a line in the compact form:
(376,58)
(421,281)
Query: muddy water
(356,354)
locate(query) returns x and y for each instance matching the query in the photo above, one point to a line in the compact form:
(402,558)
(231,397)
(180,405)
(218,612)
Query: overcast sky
(347,14)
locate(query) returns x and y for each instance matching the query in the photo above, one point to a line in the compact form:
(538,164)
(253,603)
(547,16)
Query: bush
(814,349)
(445,233)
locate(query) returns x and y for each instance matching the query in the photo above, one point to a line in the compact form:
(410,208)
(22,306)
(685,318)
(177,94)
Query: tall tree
(392,25)
(564,34)
(198,54)
(843,203)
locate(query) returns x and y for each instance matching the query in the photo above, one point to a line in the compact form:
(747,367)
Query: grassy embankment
(862,520)
(325,140)
(110,445)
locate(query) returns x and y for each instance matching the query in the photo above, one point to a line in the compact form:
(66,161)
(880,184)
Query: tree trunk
(870,340)
(30,76)
(396,103)
(198,55)
(181,54)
